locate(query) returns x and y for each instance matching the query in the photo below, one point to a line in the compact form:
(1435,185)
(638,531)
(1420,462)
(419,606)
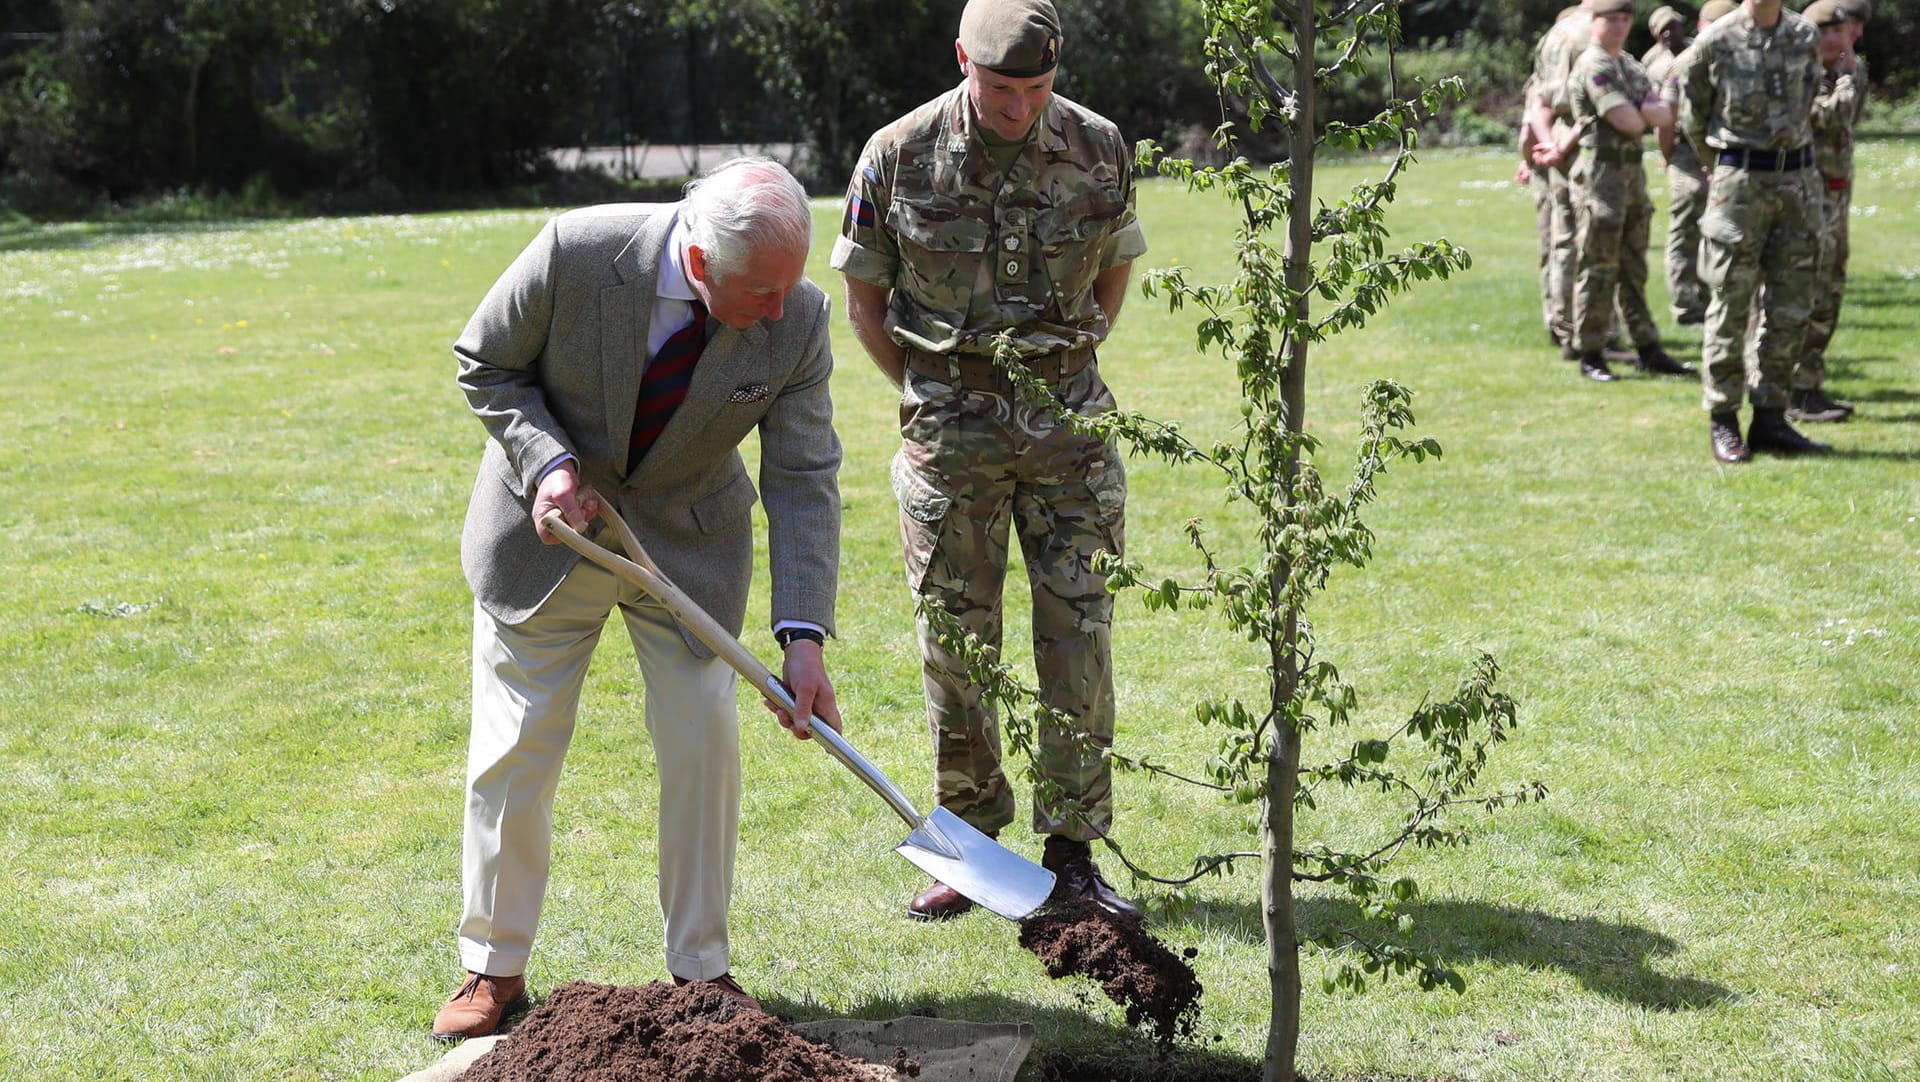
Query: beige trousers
(526,694)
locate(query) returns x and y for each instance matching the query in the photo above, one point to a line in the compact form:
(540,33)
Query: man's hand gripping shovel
(941,843)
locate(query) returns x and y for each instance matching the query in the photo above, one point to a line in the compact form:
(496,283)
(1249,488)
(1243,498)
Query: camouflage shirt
(1835,108)
(1658,61)
(969,253)
(1553,60)
(1601,83)
(1748,88)
(1670,83)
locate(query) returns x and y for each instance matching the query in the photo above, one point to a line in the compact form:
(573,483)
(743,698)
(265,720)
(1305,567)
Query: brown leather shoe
(938,902)
(478,1008)
(728,987)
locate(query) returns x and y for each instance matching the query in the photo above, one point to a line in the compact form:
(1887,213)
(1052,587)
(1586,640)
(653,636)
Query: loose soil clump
(659,1033)
(1134,969)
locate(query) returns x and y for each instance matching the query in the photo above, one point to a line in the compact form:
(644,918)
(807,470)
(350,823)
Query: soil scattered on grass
(1134,969)
(659,1033)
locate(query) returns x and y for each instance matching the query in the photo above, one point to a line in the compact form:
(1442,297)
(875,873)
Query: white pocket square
(748,392)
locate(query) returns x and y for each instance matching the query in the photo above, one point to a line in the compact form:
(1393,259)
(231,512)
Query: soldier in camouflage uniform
(1748,92)
(1686,177)
(1000,207)
(1536,178)
(1836,108)
(1549,119)
(1613,104)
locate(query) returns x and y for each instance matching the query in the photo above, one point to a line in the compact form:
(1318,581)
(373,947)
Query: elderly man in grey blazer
(623,357)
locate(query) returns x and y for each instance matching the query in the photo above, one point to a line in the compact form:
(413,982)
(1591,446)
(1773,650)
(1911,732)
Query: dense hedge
(411,101)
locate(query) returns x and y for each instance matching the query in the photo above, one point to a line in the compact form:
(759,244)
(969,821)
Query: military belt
(981,374)
(1772,161)
(1617,155)
(1836,184)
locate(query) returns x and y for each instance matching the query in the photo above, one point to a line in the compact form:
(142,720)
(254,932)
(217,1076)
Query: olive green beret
(1716,9)
(1018,38)
(1857,9)
(1824,13)
(1609,7)
(1662,18)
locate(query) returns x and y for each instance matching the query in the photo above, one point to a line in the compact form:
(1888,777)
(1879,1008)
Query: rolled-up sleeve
(865,249)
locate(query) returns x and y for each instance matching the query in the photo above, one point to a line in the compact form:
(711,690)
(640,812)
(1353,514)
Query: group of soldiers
(1752,107)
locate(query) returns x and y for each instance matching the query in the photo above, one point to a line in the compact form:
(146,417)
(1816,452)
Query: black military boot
(1724,431)
(1654,361)
(1769,431)
(1814,404)
(1593,365)
(1077,876)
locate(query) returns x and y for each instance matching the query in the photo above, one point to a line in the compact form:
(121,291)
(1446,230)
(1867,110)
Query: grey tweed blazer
(551,363)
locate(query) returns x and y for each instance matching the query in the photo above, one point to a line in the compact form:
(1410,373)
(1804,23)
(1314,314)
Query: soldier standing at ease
(1536,130)
(1748,93)
(1000,207)
(1613,105)
(1836,107)
(1687,179)
(1549,119)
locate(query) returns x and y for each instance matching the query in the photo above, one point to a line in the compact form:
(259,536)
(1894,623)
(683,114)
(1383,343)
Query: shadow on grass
(1607,957)
(35,237)
(1077,1046)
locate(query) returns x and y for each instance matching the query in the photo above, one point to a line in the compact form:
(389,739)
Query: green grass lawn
(233,712)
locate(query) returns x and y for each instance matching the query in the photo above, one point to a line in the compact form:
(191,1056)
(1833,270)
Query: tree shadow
(1607,957)
(1078,1046)
(62,236)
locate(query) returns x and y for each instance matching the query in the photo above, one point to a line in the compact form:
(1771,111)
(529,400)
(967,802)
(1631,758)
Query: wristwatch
(787,636)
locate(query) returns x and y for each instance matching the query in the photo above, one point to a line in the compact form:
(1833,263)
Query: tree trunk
(1283,761)
(190,126)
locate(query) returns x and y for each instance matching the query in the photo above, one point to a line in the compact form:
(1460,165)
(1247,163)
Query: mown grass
(235,681)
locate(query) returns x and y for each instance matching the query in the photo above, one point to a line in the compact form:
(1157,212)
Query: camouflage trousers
(972,466)
(1829,288)
(1758,238)
(1540,186)
(1613,219)
(1687,201)
(1560,267)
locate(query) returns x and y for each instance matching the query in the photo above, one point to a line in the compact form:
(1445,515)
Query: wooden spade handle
(644,573)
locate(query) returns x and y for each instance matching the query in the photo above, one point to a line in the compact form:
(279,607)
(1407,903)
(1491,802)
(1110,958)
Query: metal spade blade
(948,848)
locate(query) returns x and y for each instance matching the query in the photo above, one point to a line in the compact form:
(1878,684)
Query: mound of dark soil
(1134,969)
(660,1033)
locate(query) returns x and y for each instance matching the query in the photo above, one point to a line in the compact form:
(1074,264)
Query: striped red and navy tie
(663,386)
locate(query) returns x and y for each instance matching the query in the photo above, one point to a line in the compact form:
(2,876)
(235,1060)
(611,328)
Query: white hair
(744,204)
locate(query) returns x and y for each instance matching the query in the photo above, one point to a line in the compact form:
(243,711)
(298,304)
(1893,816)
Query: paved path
(669,161)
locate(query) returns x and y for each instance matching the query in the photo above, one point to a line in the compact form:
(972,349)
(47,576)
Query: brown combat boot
(1724,432)
(478,1008)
